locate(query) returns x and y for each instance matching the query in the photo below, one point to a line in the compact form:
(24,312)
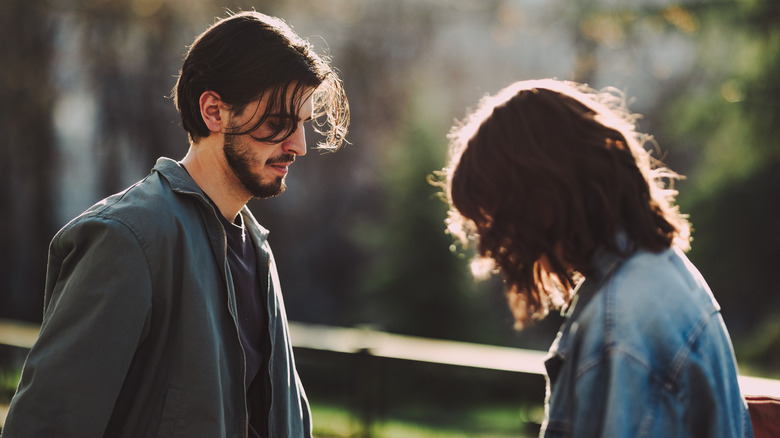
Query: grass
(333,421)
(423,421)
(410,419)
(9,379)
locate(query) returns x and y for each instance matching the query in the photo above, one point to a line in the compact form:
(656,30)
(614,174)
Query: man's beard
(237,156)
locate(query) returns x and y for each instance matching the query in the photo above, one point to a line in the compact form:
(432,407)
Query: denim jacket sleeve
(623,397)
(97,304)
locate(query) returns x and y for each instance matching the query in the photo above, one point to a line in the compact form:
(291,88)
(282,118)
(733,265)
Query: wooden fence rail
(380,344)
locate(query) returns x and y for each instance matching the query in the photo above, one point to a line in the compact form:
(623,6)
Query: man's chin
(268,195)
(269,190)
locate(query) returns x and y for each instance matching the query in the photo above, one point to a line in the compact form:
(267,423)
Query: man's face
(261,167)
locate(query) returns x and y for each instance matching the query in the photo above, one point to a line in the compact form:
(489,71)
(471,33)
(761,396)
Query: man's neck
(208,167)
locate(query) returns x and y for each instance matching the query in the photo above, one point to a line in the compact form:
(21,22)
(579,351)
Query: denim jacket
(644,352)
(139,337)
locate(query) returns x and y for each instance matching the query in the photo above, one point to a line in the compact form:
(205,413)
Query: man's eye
(279,123)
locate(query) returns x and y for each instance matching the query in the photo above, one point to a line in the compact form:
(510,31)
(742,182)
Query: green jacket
(139,337)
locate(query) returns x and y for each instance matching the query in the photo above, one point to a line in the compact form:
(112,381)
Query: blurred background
(358,236)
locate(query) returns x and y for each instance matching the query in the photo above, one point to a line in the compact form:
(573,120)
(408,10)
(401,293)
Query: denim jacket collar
(605,263)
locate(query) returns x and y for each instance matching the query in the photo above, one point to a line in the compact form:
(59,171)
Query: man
(551,179)
(163,310)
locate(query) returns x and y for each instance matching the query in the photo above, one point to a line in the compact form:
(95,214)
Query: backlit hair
(546,172)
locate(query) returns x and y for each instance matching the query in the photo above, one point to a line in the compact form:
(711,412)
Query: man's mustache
(284,158)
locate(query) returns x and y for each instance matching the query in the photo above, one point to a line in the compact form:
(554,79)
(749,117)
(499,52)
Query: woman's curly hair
(546,172)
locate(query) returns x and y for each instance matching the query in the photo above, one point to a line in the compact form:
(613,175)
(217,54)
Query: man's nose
(296,143)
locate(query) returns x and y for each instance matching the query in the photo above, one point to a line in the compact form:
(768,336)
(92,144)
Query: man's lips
(281,163)
(280,167)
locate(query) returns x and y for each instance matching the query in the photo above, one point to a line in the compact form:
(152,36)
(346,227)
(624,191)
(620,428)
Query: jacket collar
(177,177)
(181,182)
(605,264)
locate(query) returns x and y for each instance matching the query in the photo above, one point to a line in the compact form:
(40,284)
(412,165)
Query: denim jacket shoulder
(644,352)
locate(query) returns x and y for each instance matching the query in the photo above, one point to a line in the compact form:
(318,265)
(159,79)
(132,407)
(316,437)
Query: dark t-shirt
(251,317)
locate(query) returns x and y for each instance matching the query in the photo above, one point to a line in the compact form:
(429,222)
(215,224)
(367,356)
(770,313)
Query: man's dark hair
(546,173)
(250,56)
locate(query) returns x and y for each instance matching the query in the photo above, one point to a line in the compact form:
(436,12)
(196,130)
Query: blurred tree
(414,283)
(27,155)
(129,53)
(586,22)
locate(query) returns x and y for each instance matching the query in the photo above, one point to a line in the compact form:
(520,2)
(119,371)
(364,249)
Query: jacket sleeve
(623,397)
(96,310)
(618,397)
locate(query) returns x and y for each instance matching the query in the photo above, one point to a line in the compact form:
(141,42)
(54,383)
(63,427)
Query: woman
(552,182)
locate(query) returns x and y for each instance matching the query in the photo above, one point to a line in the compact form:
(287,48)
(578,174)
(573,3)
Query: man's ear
(210,106)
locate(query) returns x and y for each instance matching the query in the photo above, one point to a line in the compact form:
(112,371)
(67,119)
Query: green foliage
(729,122)
(735,246)
(761,353)
(415,284)
(9,380)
